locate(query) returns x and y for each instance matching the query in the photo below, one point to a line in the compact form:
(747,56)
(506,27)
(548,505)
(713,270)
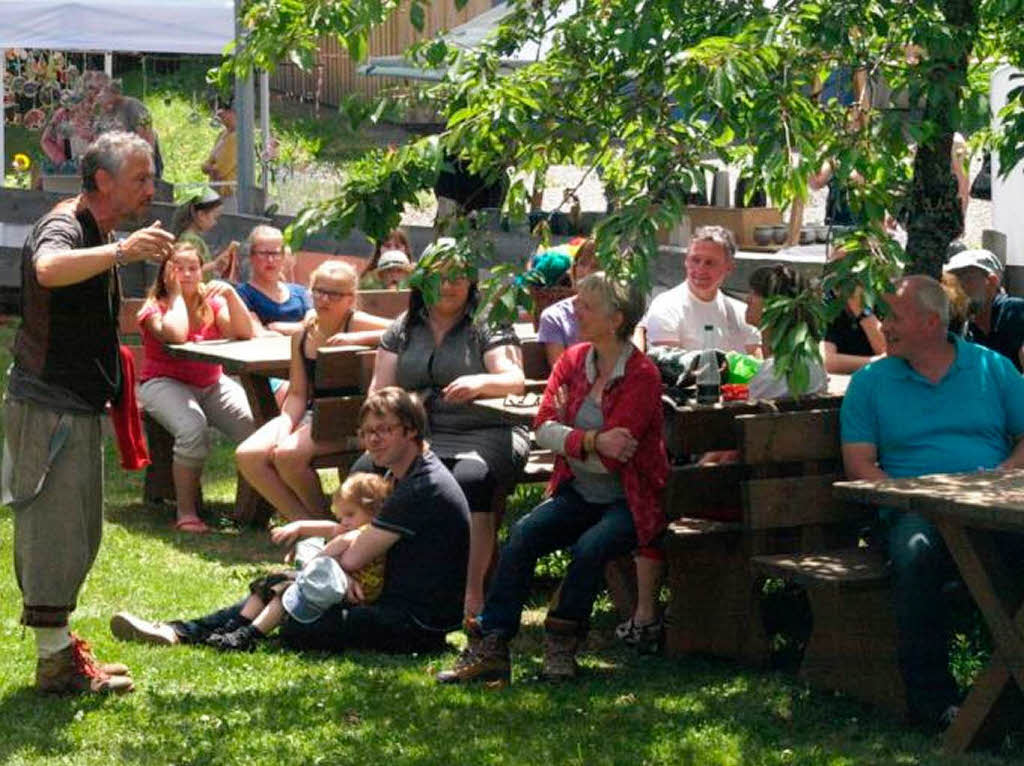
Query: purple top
(558,324)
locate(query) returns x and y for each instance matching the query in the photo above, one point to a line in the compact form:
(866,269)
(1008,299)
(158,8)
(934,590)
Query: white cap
(982,259)
(393,259)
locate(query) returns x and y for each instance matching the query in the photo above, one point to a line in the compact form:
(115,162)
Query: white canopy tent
(157,26)
(151,26)
(467,37)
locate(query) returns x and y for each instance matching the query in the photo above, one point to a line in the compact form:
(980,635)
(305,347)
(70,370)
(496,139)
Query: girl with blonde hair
(277,459)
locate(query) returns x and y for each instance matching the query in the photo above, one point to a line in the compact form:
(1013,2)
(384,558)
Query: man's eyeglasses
(329,295)
(379,432)
(268,253)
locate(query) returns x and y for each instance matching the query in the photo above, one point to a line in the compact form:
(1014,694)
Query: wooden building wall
(335,76)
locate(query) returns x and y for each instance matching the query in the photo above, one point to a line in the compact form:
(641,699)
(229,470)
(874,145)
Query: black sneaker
(230,626)
(243,639)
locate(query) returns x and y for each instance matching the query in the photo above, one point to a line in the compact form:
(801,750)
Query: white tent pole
(3,119)
(265,127)
(244,97)
(108,64)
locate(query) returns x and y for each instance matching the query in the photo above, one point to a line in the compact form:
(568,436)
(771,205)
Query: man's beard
(135,218)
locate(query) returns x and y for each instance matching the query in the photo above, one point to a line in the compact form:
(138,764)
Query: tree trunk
(935,216)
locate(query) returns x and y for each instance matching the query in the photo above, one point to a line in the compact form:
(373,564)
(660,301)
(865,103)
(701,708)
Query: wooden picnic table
(968,510)
(253,361)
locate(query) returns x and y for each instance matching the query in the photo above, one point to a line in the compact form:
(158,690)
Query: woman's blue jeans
(593,533)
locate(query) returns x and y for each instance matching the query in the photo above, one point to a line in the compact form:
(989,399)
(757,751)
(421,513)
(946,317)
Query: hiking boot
(74,670)
(562,639)
(242,639)
(485,658)
(128,627)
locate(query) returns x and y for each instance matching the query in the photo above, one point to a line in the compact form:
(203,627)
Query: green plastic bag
(742,367)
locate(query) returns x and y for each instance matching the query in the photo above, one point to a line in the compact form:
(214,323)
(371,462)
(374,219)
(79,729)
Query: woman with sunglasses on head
(277,459)
(438,351)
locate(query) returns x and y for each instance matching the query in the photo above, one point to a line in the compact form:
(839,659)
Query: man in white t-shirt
(677,317)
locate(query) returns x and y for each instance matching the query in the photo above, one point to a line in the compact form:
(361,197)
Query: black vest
(68,335)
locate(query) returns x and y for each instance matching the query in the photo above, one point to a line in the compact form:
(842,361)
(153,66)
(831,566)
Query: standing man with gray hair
(66,369)
(678,316)
(935,404)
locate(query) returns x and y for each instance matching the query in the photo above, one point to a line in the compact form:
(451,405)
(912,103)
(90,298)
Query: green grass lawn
(197,706)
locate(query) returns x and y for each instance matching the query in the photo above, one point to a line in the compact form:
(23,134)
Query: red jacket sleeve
(566,368)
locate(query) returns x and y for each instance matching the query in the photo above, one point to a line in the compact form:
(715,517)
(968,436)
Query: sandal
(194,525)
(646,638)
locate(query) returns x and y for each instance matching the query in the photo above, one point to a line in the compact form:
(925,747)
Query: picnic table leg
(250,506)
(993,699)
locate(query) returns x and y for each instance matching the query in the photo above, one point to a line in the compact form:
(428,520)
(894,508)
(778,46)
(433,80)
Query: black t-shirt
(426,567)
(848,336)
(1007,328)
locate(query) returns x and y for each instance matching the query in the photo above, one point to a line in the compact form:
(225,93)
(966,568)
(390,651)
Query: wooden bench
(776,499)
(338,416)
(852,646)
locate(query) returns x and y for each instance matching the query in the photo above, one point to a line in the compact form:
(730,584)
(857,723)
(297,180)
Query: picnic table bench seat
(776,499)
(852,646)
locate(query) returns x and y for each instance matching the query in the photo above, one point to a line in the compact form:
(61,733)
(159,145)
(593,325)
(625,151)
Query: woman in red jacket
(601,415)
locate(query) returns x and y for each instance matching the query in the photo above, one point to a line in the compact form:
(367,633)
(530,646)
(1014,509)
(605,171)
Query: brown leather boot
(562,639)
(485,658)
(74,670)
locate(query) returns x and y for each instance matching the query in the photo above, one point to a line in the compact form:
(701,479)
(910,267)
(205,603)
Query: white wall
(1008,194)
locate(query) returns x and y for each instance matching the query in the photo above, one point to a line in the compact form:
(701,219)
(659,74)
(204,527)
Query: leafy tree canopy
(650,93)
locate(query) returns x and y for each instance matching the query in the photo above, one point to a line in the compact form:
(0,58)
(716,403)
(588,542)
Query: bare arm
(860,459)
(59,268)
(364,330)
(843,364)
(1016,458)
(820,179)
(337,546)
(371,544)
(285,328)
(287,534)
(504,365)
(171,326)
(234,319)
(385,370)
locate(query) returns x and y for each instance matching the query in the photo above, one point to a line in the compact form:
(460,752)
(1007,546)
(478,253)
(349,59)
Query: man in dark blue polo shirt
(998,320)
(935,404)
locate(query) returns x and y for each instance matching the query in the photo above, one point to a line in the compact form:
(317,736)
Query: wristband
(590,442)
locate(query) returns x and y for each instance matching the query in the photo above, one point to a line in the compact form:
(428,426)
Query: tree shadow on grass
(225,544)
(366,707)
(35,725)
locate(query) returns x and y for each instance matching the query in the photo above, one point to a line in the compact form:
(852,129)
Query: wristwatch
(864,314)
(120,258)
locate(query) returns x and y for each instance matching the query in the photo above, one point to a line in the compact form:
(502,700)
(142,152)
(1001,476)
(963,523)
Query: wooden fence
(334,75)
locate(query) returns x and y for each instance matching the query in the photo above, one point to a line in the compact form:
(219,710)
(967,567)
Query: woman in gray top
(440,353)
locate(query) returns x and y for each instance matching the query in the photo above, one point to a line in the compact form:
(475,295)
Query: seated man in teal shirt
(936,404)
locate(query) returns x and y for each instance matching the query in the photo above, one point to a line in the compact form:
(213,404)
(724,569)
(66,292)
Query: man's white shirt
(677,317)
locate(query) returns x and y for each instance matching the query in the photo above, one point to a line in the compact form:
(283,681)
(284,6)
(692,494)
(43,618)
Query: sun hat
(393,259)
(319,586)
(979,258)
